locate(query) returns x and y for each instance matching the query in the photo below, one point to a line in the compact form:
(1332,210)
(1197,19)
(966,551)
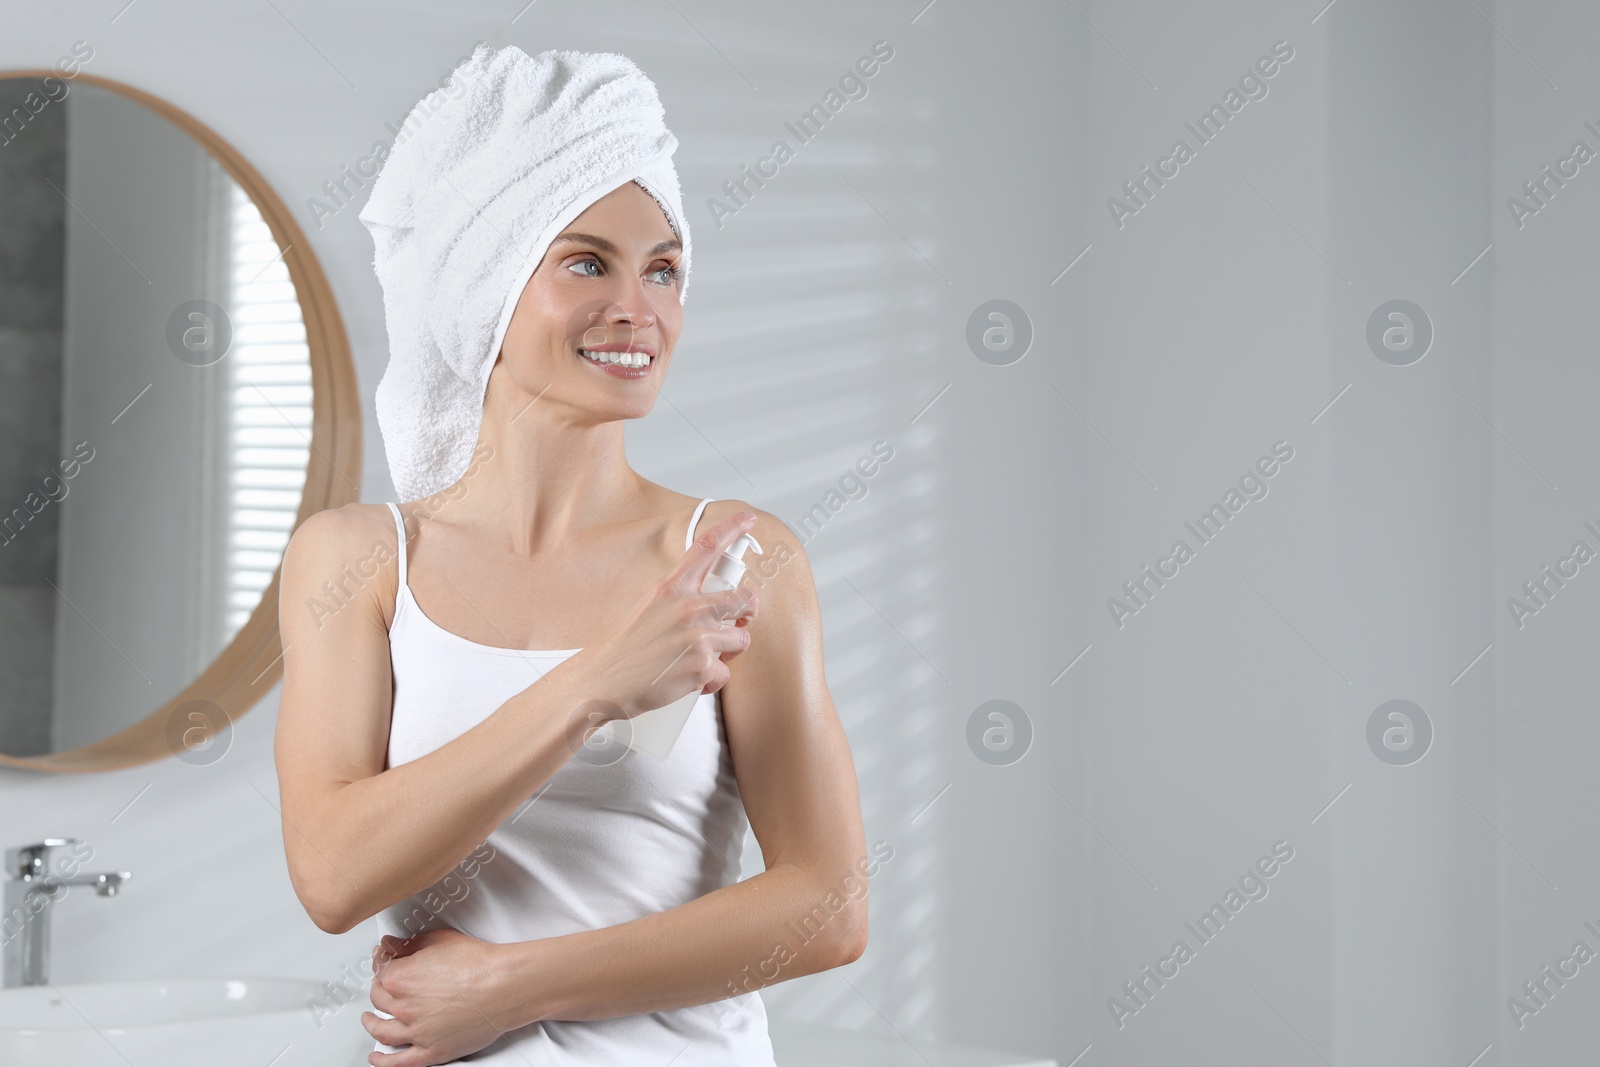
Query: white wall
(1227,314)
(1206,713)
(1545,386)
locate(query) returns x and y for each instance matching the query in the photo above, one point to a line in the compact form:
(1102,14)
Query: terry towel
(463,211)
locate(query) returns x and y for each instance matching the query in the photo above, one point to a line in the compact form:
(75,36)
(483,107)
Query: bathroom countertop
(809,1045)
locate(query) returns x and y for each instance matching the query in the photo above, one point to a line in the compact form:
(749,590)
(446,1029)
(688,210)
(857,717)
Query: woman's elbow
(329,915)
(326,909)
(853,941)
(333,921)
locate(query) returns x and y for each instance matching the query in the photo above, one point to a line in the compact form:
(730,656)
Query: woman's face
(608,284)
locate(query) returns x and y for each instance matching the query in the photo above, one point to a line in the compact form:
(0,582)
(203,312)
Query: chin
(608,409)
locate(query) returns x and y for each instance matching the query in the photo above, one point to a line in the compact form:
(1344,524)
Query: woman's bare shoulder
(776,538)
(350,550)
(722,508)
(351,526)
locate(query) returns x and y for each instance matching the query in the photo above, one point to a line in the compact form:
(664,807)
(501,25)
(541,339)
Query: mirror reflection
(155,412)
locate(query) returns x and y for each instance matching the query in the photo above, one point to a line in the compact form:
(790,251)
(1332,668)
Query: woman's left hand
(448,995)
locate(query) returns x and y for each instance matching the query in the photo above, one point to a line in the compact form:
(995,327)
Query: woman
(554,897)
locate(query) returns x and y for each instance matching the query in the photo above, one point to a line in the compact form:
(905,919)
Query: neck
(554,472)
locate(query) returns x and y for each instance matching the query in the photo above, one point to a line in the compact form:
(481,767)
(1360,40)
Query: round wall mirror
(176,396)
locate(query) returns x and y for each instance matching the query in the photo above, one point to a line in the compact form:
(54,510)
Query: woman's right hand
(675,641)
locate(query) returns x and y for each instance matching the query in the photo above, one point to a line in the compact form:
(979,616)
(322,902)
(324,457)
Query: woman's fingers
(399,946)
(691,571)
(410,1056)
(729,639)
(383,1000)
(678,638)
(731,605)
(389,1031)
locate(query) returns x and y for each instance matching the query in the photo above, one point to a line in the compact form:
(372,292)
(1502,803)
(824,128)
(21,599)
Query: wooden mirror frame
(252,662)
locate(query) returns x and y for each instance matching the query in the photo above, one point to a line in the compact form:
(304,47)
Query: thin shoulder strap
(693,520)
(400,530)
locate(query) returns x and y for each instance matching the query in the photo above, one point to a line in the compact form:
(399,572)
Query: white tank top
(612,836)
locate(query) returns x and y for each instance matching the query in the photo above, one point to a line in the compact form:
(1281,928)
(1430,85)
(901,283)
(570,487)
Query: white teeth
(627,359)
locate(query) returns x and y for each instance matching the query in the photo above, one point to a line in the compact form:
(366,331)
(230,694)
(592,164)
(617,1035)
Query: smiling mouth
(629,360)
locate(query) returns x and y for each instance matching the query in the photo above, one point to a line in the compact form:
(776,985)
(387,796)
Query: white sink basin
(184,1022)
(216,1022)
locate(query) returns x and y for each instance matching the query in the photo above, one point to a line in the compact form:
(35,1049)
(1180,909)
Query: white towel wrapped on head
(461,215)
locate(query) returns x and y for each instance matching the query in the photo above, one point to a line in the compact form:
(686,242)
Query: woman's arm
(807,911)
(448,994)
(358,837)
(733,940)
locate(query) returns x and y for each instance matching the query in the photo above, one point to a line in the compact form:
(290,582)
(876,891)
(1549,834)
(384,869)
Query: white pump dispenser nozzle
(729,567)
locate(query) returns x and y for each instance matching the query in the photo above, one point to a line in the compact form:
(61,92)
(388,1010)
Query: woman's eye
(664,275)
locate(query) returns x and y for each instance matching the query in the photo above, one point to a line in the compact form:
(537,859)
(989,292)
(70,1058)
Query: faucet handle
(32,861)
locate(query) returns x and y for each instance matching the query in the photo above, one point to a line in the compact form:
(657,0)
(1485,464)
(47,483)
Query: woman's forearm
(398,832)
(780,924)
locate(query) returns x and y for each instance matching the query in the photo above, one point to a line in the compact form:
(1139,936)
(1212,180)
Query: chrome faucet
(33,885)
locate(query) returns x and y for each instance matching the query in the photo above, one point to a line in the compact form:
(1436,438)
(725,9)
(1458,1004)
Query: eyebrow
(604,245)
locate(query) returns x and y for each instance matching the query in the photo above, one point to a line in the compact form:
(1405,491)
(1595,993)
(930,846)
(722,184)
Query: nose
(620,320)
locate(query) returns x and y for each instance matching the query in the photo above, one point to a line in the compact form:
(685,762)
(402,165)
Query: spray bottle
(654,732)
